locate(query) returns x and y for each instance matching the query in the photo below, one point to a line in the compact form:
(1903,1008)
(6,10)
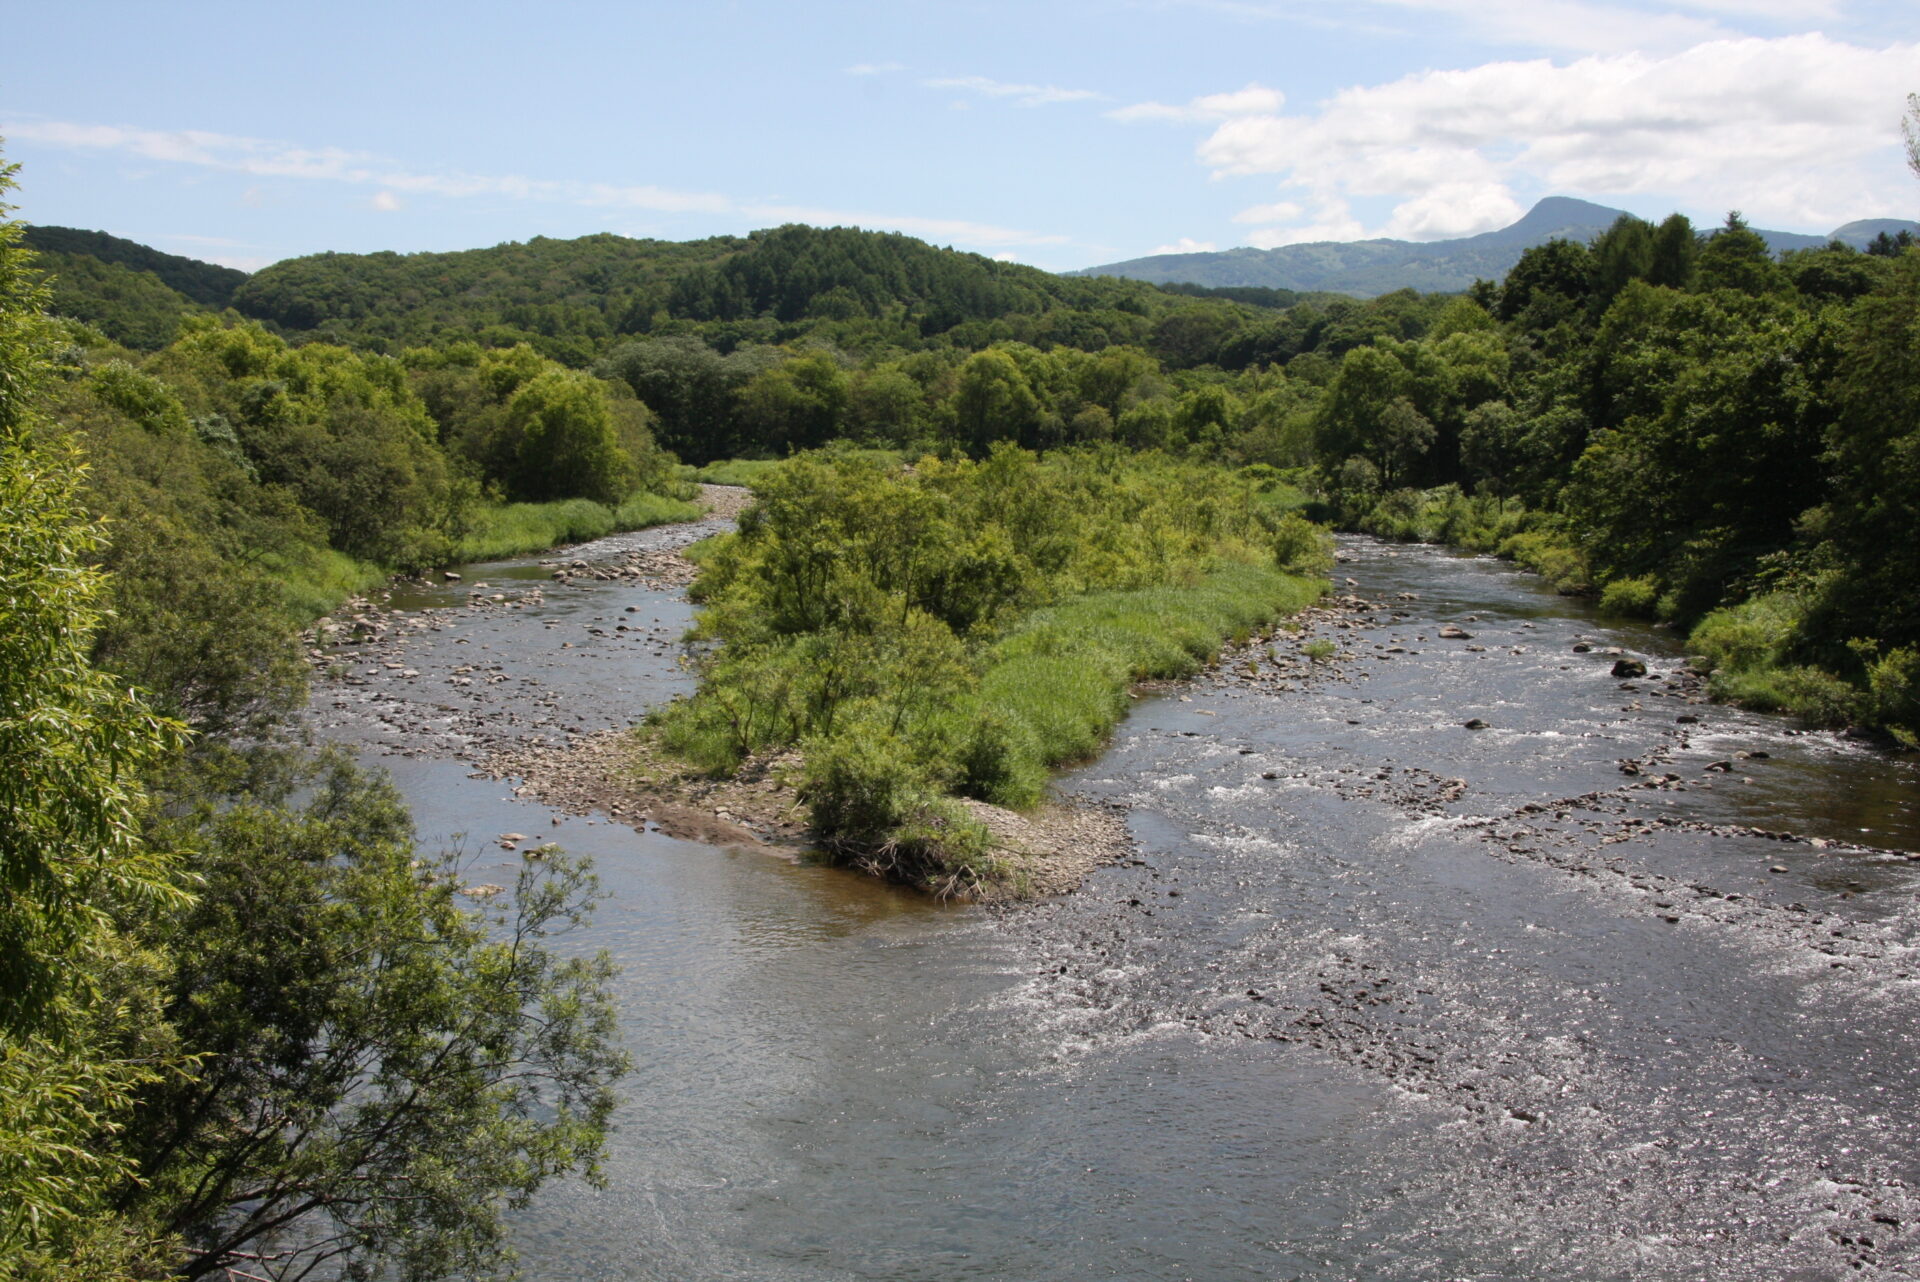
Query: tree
(559,434)
(992,401)
(1736,257)
(383,1070)
(75,1037)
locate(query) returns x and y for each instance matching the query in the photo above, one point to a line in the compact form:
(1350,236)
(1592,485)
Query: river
(1380,996)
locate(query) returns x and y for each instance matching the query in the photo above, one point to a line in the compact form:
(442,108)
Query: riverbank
(624,776)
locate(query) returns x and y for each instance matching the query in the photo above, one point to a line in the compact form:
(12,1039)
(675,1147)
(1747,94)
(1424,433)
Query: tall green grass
(1056,685)
(515,528)
(749,471)
(317,579)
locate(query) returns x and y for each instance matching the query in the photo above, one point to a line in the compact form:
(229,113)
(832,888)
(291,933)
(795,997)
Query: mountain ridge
(1369,268)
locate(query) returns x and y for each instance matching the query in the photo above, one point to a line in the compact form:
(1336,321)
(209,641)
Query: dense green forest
(1693,427)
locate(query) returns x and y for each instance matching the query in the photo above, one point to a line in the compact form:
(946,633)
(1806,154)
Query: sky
(1062,133)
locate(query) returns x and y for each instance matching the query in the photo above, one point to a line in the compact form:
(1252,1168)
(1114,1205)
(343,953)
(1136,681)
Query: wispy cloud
(875,68)
(270,159)
(1024,95)
(1570,26)
(1254,100)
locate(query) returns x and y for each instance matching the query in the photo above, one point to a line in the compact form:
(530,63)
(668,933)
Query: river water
(1380,996)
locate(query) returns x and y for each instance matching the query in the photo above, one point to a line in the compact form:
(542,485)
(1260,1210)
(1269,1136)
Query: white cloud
(287,160)
(1253,100)
(1187,245)
(1799,131)
(1024,95)
(1454,209)
(1332,220)
(1283,212)
(874,68)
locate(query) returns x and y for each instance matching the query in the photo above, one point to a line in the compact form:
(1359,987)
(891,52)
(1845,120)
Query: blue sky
(1063,133)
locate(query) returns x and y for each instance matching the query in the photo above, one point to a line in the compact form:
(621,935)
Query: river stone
(1475,724)
(1629,668)
(1452,633)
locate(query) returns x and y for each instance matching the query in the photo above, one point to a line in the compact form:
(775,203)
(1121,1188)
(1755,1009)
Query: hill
(1368,268)
(571,299)
(208,284)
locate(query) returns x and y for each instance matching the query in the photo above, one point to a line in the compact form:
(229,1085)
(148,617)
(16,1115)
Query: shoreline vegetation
(1752,652)
(914,650)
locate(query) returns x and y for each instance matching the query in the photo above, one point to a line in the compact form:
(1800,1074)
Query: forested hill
(208,284)
(576,294)
(131,293)
(572,298)
(575,300)
(1371,267)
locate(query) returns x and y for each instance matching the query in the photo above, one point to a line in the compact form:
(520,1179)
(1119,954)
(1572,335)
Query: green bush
(1808,693)
(874,808)
(1301,547)
(1755,633)
(1893,679)
(1551,557)
(965,626)
(1631,598)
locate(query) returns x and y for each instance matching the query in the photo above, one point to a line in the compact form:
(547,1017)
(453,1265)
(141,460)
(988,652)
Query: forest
(248,1024)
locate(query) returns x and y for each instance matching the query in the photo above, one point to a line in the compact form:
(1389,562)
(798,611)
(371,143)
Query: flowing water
(1380,996)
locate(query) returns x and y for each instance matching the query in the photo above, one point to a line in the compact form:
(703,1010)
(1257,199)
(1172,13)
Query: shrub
(1301,547)
(1893,680)
(1755,633)
(1632,598)
(1816,696)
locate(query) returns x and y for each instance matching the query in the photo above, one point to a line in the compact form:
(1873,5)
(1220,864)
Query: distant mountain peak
(1368,268)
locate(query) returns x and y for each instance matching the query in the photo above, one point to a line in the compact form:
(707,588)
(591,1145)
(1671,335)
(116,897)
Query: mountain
(1368,268)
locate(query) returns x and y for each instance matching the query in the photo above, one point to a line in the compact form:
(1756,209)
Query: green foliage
(123,304)
(77,1037)
(1893,684)
(514,529)
(1633,598)
(384,1067)
(1301,547)
(559,436)
(309,1052)
(207,284)
(963,627)
(1756,633)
